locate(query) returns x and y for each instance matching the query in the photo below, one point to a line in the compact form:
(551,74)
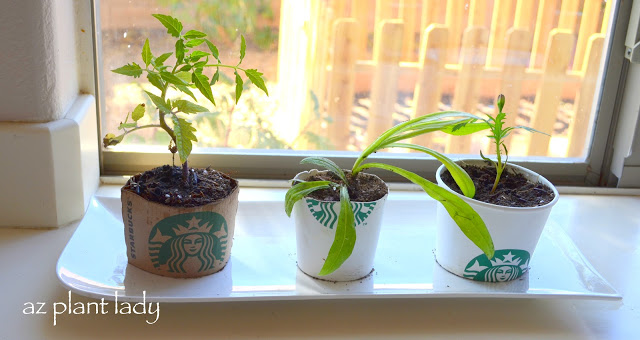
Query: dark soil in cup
(364,188)
(164,185)
(513,190)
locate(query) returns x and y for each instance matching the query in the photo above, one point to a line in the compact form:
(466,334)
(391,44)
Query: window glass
(341,72)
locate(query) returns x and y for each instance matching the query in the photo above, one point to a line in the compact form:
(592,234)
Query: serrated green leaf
(327,164)
(195,55)
(180,50)
(213,49)
(194,34)
(215,77)
(172,79)
(138,112)
(202,83)
(194,42)
(155,80)
(238,87)
(243,48)
(173,25)
(159,102)
(132,70)
(162,58)
(300,190)
(345,238)
(126,125)
(256,79)
(188,107)
(186,90)
(184,135)
(146,53)
(469,222)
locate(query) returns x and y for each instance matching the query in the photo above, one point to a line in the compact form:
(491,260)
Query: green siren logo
(191,242)
(324,212)
(506,265)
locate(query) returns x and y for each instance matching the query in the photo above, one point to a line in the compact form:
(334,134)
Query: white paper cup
(515,232)
(316,223)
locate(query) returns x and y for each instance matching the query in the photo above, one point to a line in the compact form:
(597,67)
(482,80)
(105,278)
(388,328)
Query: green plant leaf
(213,49)
(186,90)
(465,129)
(162,58)
(146,53)
(126,125)
(327,164)
(469,222)
(238,86)
(132,70)
(180,51)
(138,112)
(188,107)
(184,135)
(202,83)
(300,190)
(185,68)
(243,48)
(194,42)
(195,55)
(173,25)
(459,175)
(184,76)
(256,79)
(345,237)
(215,77)
(159,102)
(194,34)
(155,80)
(172,79)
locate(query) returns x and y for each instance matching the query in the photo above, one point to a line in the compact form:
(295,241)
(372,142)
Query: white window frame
(596,170)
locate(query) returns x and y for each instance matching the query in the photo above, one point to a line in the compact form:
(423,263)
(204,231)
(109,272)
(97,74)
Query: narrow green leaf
(138,112)
(459,175)
(186,90)
(256,79)
(172,79)
(202,83)
(300,190)
(215,77)
(530,129)
(243,48)
(188,107)
(199,65)
(146,53)
(173,25)
(327,164)
(180,50)
(162,58)
(184,135)
(195,55)
(469,222)
(155,80)
(194,42)
(463,129)
(345,237)
(159,102)
(238,86)
(132,70)
(126,125)
(213,49)
(194,34)
(185,68)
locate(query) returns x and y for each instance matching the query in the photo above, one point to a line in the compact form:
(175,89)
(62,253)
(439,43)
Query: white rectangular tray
(263,263)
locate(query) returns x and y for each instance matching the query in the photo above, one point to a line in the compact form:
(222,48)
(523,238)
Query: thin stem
(185,172)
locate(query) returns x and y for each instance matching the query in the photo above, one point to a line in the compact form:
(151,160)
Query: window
(341,72)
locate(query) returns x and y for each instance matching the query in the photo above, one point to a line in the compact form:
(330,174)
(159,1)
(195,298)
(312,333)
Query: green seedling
(498,133)
(452,122)
(186,74)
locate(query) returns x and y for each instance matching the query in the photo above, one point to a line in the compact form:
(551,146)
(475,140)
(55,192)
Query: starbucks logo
(325,214)
(189,242)
(506,265)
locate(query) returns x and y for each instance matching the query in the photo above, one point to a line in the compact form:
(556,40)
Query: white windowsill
(609,238)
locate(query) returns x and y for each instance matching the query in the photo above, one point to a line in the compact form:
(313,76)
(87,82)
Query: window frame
(284,164)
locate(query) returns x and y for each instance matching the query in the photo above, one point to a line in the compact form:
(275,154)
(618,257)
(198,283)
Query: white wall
(38,72)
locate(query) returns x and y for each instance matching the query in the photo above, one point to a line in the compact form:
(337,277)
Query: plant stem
(185,172)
